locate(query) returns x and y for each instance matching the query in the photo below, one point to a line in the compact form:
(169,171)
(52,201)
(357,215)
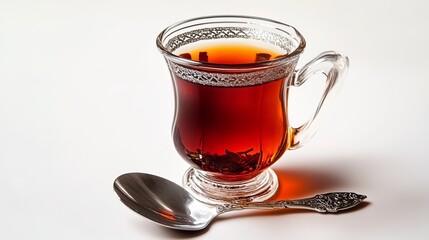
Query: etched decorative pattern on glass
(232,79)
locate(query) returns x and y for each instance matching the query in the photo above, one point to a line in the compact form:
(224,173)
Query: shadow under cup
(231,78)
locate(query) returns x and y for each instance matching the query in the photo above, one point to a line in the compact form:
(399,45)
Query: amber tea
(236,130)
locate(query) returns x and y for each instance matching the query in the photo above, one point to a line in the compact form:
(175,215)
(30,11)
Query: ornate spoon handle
(328,202)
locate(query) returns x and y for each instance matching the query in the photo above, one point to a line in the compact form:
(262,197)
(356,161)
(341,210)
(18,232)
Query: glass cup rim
(267,63)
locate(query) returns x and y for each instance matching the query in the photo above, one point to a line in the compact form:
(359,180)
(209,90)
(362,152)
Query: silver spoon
(170,205)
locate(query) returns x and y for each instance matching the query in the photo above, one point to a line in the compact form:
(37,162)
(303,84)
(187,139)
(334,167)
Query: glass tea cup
(232,76)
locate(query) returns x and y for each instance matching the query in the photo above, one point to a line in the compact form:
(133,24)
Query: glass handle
(334,66)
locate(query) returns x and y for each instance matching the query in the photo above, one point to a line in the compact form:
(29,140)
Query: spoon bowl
(163,201)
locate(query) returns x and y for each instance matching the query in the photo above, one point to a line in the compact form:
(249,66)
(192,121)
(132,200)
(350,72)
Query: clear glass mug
(232,76)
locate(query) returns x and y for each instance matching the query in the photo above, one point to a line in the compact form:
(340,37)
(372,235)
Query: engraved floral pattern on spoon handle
(328,202)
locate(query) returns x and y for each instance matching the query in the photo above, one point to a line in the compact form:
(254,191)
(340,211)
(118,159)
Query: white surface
(85,96)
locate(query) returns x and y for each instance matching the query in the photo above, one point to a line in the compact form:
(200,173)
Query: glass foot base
(214,191)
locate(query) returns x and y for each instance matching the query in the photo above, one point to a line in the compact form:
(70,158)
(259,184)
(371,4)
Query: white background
(85,96)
